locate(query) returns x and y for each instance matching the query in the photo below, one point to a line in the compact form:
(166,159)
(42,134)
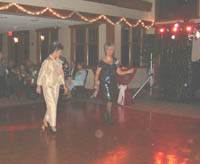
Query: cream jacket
(51,73)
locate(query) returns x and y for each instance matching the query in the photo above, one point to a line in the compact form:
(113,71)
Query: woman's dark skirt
(109,91)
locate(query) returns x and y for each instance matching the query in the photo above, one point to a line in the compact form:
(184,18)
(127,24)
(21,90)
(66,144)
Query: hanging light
(188,28)
(16,40)
(173,37)
(162,30)
(42,37)
(176,25)
(175,29)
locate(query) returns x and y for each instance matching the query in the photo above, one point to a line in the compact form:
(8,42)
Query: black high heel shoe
(105,117)
(44,127)
(53,131)
(109,120)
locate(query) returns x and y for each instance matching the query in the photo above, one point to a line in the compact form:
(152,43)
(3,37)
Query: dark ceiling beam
(130,4)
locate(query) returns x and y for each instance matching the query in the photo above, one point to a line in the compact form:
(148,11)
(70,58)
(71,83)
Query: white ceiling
(19,23)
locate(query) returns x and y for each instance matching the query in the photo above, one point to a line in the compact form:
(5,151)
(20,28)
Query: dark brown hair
(55,46)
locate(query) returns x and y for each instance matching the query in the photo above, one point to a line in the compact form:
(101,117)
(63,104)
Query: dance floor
(135,138)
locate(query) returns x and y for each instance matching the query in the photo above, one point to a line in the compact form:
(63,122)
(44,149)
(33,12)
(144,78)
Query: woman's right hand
(96,86)
(66,90)
(38,90)
(70,80)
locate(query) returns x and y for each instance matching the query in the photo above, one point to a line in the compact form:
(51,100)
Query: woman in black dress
(106,75)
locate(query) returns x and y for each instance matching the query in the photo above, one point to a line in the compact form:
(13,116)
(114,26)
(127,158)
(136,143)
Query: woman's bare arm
(120,72)
(96,82)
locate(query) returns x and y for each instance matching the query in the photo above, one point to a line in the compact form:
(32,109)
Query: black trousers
(2,86)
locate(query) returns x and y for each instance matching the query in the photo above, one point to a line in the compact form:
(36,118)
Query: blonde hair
(108,45)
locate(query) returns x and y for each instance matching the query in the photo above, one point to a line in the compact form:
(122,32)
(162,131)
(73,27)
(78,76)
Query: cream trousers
(51,98)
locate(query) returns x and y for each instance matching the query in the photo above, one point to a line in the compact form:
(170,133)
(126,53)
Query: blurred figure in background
(78,76)
(67,74)
(2,75)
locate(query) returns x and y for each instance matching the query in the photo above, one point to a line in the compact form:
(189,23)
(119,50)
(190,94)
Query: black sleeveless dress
(108,82)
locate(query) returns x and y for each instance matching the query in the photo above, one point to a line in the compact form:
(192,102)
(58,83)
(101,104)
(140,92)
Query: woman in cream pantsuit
(50,77)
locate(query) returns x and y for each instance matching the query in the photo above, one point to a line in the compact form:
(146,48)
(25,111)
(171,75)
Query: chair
(123,81)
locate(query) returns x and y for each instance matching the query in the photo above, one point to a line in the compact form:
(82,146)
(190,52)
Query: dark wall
(173,9)
(175,71)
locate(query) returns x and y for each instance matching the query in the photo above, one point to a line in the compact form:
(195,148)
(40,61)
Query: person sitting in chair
(78,78)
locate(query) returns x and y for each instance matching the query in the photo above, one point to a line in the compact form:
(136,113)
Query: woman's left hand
(66,90)
(38,90)
(131,70)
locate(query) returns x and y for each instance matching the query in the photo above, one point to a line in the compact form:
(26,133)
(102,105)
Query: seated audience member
(12,81)
(66,70)
(2,75)
(23,81)
(31,83)
(78,77)
(32,75)
(66,67)
(72,66)
(67,74)
(22,74)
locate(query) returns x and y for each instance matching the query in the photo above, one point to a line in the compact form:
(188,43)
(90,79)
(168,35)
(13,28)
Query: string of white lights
(90,20)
